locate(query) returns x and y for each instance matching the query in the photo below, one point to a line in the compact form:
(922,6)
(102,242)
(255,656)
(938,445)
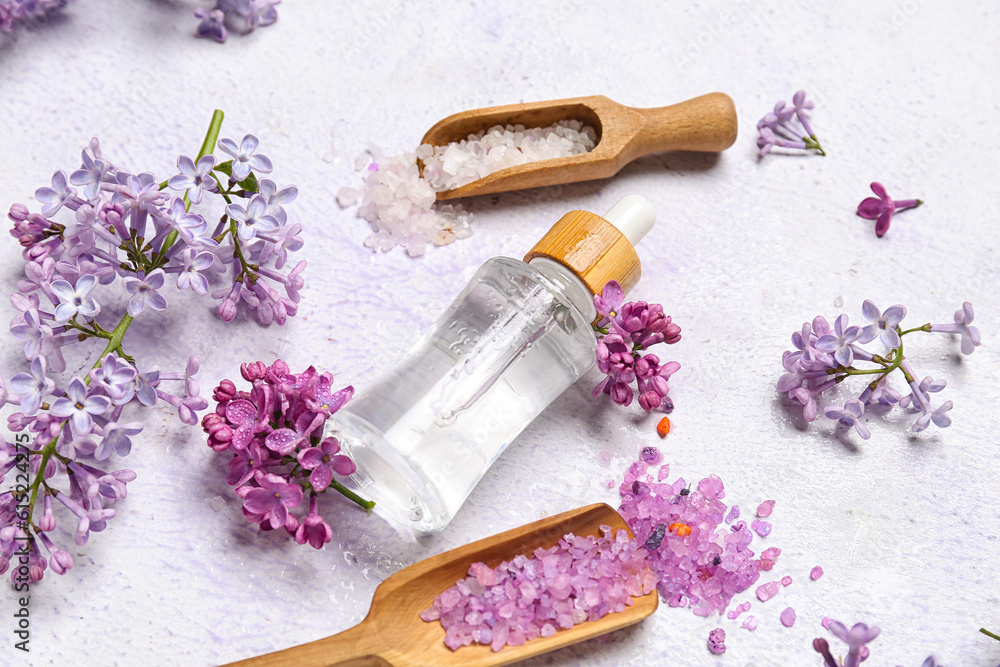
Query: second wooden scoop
(706,124)
(393,634)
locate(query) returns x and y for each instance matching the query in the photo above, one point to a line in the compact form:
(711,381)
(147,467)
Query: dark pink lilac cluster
(624,332)
(580,579)
(698,562)
(280,457)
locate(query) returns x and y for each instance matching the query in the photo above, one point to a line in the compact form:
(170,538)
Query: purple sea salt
(762,528)
(580,579)
(734,514)
(652,456)
(750,623)
(697,565)
(767,591)
(717,641)
(735,613)
(786,580)
(816,573)
(765,508)
(788,617)
(771,553)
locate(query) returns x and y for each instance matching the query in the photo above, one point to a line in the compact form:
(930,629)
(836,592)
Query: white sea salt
(401,205)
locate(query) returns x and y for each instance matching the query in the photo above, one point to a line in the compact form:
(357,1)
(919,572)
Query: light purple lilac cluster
(856,637)
(274,433)
(82,422)
(826,355)
(13,12)
(141,230)
(579,579)
(241,15)
(624,332)
(696,564)
(788,127)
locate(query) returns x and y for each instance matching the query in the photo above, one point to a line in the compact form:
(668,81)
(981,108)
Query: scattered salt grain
(788,617)
(717,641)
(734,514)
(765,508)
(750,623)
(786,580)
(735,613)
(816,573)
(767,591)
(765,564)
(771,553)
(500,147)
(217,503)
(762,528)
(580,579)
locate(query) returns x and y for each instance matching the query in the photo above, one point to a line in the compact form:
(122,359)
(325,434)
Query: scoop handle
(350,648)
(706,124)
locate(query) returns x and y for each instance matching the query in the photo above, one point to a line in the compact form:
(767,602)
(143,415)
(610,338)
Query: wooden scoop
(393,634)
(706,124)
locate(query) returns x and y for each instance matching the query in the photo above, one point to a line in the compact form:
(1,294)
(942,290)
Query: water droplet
(838,302)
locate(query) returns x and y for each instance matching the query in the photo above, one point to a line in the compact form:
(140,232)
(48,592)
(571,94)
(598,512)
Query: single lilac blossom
(244,157)
(275,198)
(971,338)
(189,226)
(850,415)
(144,292)
(882,324)
(212,25)
(116,438)
(194,262)
(76,300)
(32,388)
(253,218)
(59,195)
(324,461)
(196,179)
(839,342)
(79,406)
(882,208)
(91,174)
(273,499)
(855,638)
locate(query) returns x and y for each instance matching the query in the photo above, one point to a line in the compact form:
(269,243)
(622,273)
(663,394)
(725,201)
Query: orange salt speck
(681,529)
(663,427)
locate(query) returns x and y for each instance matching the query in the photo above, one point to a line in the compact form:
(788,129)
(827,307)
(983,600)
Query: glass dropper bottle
(425,431)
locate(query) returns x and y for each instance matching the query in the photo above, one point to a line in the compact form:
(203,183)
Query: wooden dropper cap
(597,249)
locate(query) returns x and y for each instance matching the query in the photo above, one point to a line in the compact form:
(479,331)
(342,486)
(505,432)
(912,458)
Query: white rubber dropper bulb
(633,216)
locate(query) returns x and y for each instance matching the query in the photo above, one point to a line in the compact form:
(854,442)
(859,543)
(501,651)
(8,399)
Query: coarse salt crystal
(717,641)
(767,591)
(771,553)
(762,528)
(734,514)
(750,623)
(786,580)
(788,617)
(765,508)
(816,573)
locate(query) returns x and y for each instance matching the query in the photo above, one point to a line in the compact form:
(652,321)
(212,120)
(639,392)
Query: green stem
(207,145)
(366,505)
(926,327)
(989,634)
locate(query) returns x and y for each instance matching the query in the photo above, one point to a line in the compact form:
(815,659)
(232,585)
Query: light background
(744,251)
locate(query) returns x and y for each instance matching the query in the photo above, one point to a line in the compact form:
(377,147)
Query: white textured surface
(905,526)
